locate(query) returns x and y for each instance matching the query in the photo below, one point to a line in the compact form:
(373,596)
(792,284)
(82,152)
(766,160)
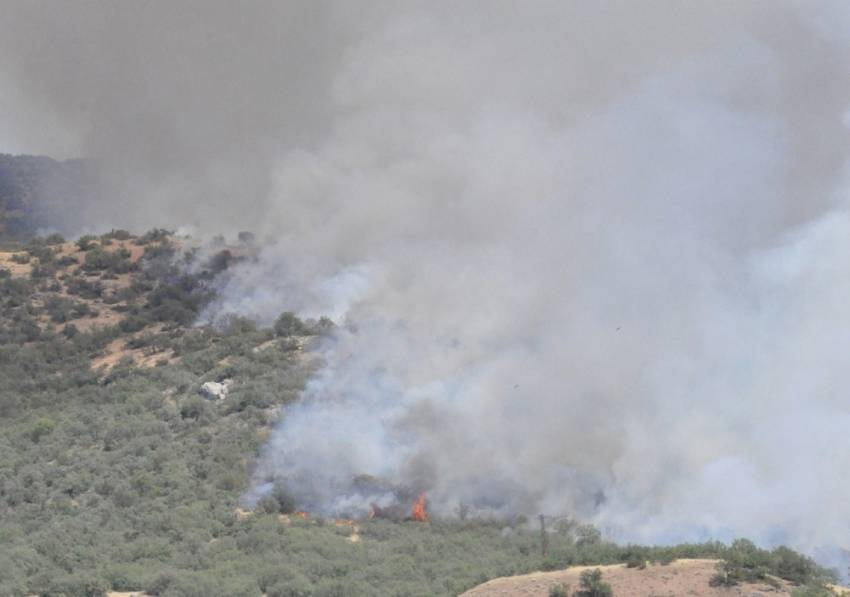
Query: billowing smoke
(588,258)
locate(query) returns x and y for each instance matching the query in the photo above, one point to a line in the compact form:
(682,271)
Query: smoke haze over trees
(594,258)
(37,192)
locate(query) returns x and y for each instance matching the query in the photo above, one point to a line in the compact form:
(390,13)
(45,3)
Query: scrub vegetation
(117,475)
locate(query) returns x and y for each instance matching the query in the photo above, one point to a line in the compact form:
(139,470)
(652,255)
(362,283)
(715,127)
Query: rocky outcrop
(215,390)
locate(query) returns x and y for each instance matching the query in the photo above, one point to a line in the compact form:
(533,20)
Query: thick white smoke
(631,309)
(586,258)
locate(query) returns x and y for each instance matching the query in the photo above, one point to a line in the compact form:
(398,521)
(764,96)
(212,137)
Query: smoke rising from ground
(588,258)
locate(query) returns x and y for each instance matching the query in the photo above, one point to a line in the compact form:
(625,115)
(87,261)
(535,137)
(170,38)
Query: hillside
(682,577)
(117,474)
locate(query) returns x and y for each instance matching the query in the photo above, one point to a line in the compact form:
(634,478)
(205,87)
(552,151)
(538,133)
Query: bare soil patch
(18,270)
(142,357)
(682,577)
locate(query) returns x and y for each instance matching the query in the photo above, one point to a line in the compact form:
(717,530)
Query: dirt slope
(681,578)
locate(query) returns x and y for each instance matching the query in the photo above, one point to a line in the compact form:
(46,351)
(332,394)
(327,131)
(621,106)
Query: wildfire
(418,512)
(302,514)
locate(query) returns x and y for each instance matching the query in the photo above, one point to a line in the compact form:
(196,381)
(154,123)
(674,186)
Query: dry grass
(105,316)
(117,350)
(682,577)
(18,270)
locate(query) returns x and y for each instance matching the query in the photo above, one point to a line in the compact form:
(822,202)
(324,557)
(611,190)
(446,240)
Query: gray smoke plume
(587,258)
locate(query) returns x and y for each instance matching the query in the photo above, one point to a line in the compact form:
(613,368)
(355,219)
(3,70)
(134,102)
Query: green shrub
(322,327)
(813,591)
(234,325)
(279,501)
(592,585)
(41,270)
(40,428)
(179,301)
(133,323)
(83,288)
(743,561)
(153,235)
(42,252)
(587,534)
(117,235)
(87,242)
(160,250)
(125,577)
(220,261)
(635,557)
(76,585)
(193,407)
(288,325)
(792,566)
(61,309)
(113,262)
(160,583)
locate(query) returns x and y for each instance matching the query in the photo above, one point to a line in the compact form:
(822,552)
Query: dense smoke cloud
(184,105)
(587,258)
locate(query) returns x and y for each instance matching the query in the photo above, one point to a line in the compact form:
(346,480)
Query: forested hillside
(118,473)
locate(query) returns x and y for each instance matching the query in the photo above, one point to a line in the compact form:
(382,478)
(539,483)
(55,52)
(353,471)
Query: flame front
(418,512)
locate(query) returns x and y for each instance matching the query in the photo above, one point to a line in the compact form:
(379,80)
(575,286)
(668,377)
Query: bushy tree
(86,243)
(117,235)
(592,585)
(115,262)
(288,325)
(792,566)
(40,428)
(153,235)
(587,534)
(813,591)
(220,261)
(133,323)
(280,500)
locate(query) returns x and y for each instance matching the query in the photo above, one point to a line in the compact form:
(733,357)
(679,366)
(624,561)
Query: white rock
(213,390)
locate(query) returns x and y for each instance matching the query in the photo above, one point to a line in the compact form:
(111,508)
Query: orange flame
(304,515)
(418,512)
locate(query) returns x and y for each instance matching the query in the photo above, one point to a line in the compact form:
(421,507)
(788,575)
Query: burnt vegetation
(115,474)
